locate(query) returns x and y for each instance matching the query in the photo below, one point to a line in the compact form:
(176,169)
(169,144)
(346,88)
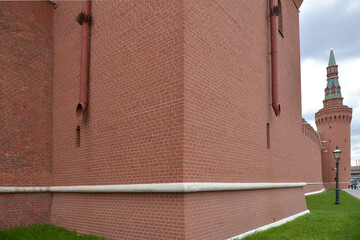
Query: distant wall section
(311,158)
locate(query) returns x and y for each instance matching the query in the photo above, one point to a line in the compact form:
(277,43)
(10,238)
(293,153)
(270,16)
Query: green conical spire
(333,89)
(332,58)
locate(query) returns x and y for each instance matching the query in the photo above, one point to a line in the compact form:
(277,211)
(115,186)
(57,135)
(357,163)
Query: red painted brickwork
(333,124)
(228,97)
(179,91)
(122,216)
(311,155)
(23,209)
(133,132)
(222,215)
(26,109)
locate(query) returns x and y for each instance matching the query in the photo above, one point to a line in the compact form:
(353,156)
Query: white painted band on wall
(316,192)
(155,187)
(314,183)
(335,182)
(24,189)
(271,225)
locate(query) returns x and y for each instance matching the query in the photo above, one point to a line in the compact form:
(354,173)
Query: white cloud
(355,148)
(330,22)
(353,7)
(348,77)
(310,7)
(313,82)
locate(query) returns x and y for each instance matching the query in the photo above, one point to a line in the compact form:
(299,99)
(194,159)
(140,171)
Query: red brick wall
(133,132)
(122,216)
(311,159)
(178,91)
(25,106)
(228,97)
(227,108)
(23,209)
(222,215)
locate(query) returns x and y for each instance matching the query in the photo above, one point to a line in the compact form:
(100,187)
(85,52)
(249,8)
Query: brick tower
(333,123)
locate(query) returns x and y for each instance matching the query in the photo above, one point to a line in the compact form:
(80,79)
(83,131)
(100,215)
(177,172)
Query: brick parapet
(335,114)
(311,155)
(310,133)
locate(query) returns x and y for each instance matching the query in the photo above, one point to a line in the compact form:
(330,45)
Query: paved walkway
(355,193)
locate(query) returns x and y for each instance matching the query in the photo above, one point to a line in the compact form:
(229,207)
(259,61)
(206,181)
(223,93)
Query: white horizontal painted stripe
(271,225)
(316,192)
(155,187)
(335,182)
(314,183)
(23,189)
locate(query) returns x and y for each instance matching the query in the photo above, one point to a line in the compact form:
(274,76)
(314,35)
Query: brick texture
(26,109)
(23,209)
(222,215)
(135,94)
(179,91)
(228,98)
(122,216)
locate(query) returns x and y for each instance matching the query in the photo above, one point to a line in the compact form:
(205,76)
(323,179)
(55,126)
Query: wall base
(275,224)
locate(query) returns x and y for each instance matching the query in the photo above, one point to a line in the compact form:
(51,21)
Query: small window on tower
(268,135)
(78,136)
(333,90)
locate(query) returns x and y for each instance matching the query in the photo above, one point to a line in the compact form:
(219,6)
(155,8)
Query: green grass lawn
(43,232)
(326,221)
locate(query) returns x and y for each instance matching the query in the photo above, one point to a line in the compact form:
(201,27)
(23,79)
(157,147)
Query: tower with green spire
(333,124)
(333,89)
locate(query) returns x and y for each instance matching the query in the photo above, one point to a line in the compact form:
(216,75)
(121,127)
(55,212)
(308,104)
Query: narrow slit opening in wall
(268,135)
(78,136)
(280,20)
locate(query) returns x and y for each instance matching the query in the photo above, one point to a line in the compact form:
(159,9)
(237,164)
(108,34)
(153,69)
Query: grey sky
(330,22)
(326,23)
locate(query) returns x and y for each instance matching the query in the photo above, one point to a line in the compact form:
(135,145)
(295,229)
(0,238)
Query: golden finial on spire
(331,48)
